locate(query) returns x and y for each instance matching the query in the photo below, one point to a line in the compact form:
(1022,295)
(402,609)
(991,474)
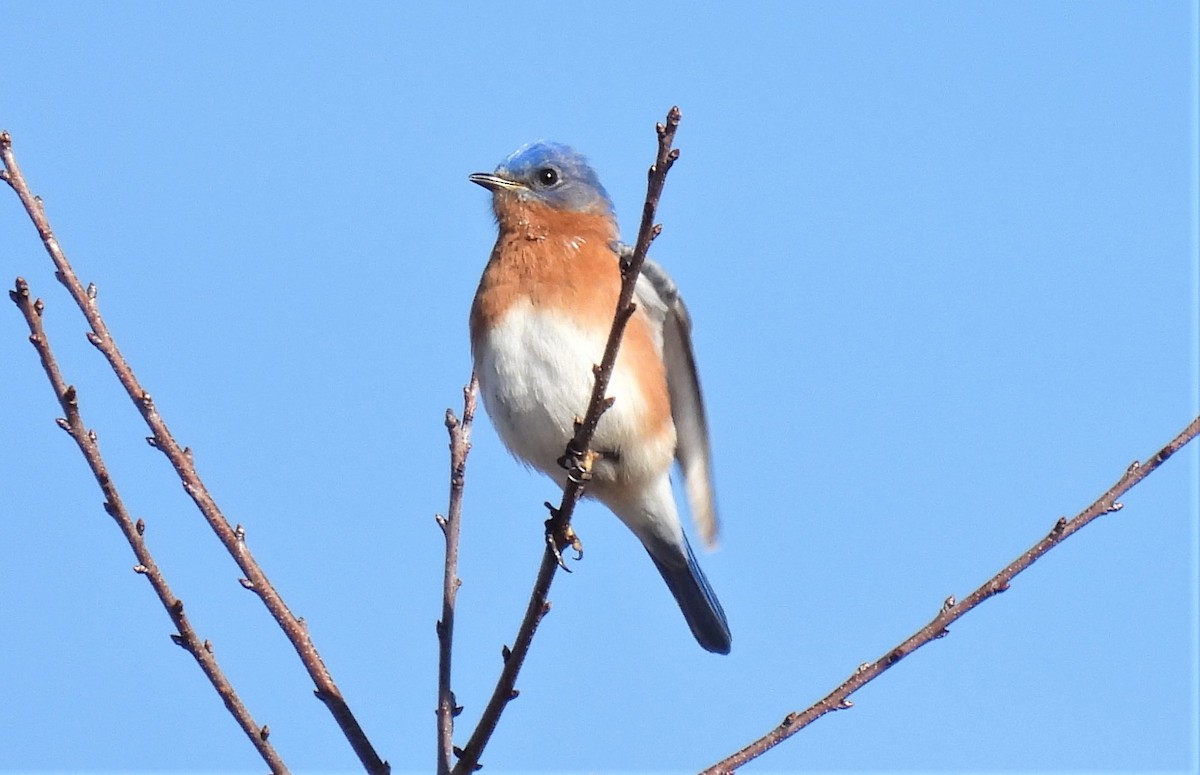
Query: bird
(539,322)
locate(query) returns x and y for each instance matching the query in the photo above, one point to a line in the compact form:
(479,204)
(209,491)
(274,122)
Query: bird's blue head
(552,174)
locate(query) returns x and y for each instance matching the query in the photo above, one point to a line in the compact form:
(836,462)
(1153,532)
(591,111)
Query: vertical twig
(186,636)
(558,530)
(181,459)
(951,610)
(451,524)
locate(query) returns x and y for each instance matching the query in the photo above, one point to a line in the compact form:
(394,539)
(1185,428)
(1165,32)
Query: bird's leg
(578,462)
(560,535)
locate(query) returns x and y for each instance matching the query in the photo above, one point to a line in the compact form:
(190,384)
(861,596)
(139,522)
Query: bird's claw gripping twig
(578,463)
(560,535)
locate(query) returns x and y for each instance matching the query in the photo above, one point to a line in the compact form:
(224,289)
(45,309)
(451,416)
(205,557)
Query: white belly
(535,375)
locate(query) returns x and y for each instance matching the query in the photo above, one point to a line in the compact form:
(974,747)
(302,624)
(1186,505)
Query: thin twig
(951,611)
(181,459)
(186,636)
(451,524)
(558,528)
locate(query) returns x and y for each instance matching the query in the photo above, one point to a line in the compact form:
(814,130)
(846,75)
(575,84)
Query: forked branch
(89,446)
(181,459)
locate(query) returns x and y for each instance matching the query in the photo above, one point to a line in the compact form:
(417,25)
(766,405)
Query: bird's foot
(560,535)
(578,463)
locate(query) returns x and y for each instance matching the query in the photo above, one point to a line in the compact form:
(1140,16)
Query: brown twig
(558,527)
(181,459)
(451,524)
(951,610)
(186,636)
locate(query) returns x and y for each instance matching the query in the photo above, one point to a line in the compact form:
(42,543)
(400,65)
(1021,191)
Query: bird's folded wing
(658,295)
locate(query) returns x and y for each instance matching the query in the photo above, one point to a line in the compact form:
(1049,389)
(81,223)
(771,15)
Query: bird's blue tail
(695,596)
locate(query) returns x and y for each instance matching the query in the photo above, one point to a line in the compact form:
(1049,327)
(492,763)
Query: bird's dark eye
(547,176)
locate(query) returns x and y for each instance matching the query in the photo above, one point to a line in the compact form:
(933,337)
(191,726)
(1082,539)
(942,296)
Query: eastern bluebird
(540,321)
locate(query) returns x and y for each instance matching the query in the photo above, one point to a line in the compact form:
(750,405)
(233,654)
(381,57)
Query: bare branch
(559,534)
(951,611)
(186,636)
(181,459)
(451,524)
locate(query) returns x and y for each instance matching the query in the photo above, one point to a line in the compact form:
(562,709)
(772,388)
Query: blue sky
(942,261)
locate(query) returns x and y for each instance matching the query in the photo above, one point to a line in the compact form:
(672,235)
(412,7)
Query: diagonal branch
(558,528)
(951,611)
(181,459)
(451,524)
(85,439)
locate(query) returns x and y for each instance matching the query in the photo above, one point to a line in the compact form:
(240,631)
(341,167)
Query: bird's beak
(494,182)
